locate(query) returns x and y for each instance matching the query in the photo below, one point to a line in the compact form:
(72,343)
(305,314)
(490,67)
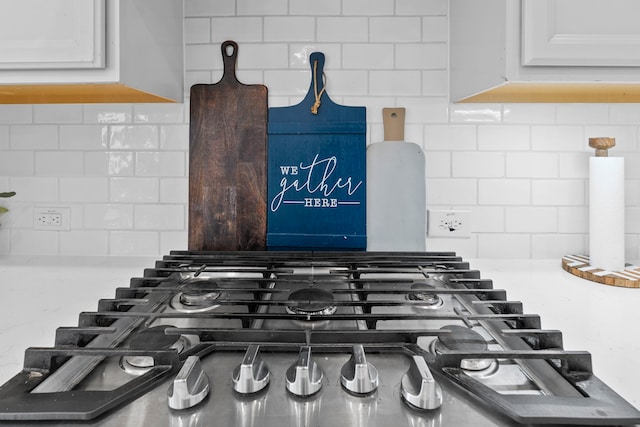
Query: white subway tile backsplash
(159,217)
(245,29)
(59,163)
(632,220)
(584,114)
(57,113)
(284,84)
(363,56)
(565,192)
(343,29)
(557,245)
(529,113)
(172,241)
(108,113)
(158,113)
(521,169)
(396,83)
(84,189)
(27,137)
(422,56)
(503,138)
(108,216)
(16,114)
(134,190)
(521,219)
(262,56)
(435,29)
(435,83)
(487,219)
(452,192)
(558,138)
(624,114)
(34,242)
(504,245)
(17,163)
(83,242)
(159,163)
(299,55)
(174,137)
(111,163)
(573,219)
(289,28)
(421,7)
(450,137)
(35,189)
(4,137)
(314,7)
(573,165)
(197,30)
(263,7)
(631,162)
(140,137)
(476,113)
(137,243)
(209,8)
(477,164)
(532,165)
(84,137)
(395,29)
(372,7)
(438,164)
(354,83)
(174,190)
(203,57)
(504,192)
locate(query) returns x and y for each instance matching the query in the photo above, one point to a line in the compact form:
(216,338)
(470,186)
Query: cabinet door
(581,33)
(41,34)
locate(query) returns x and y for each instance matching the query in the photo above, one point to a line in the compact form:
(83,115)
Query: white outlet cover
(449,223)
(63,212)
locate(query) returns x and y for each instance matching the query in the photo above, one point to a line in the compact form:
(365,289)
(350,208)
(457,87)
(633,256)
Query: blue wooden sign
(316,172)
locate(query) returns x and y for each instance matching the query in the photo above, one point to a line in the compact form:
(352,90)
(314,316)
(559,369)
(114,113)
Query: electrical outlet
(51,218)
(449,223)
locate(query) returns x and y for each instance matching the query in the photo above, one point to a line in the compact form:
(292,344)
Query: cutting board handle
(393,123)
(317,86)
(229,57)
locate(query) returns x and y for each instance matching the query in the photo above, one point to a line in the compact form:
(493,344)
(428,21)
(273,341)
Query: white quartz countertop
(42,293)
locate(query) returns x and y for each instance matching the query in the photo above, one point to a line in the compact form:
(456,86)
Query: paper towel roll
(606,213)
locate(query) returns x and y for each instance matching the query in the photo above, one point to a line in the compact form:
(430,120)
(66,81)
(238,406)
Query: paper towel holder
(579,265)
(602,145)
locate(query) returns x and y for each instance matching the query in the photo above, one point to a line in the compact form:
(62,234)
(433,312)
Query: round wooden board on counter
(578,265)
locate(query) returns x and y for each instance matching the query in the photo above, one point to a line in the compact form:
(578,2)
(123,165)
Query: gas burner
(310,301)
(198,295)
(154,338)
(423,292)
(465,339)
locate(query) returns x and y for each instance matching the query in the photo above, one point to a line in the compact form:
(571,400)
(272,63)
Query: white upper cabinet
(581,33)
(87,51)
(544,51)
(52,34)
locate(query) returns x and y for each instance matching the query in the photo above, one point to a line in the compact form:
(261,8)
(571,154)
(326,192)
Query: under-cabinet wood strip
(579,266)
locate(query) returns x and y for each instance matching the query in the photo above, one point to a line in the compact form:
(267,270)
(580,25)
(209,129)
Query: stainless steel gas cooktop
(309,338)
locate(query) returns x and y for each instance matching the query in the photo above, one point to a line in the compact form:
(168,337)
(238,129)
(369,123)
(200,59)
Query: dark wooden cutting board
(228,162)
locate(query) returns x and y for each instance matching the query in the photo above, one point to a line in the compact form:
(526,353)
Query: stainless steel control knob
(357,375)
(418,388)
(252,375)
(304,377)
(190,386)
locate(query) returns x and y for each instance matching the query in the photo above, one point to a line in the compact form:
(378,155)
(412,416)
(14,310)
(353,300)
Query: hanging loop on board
(316,104)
